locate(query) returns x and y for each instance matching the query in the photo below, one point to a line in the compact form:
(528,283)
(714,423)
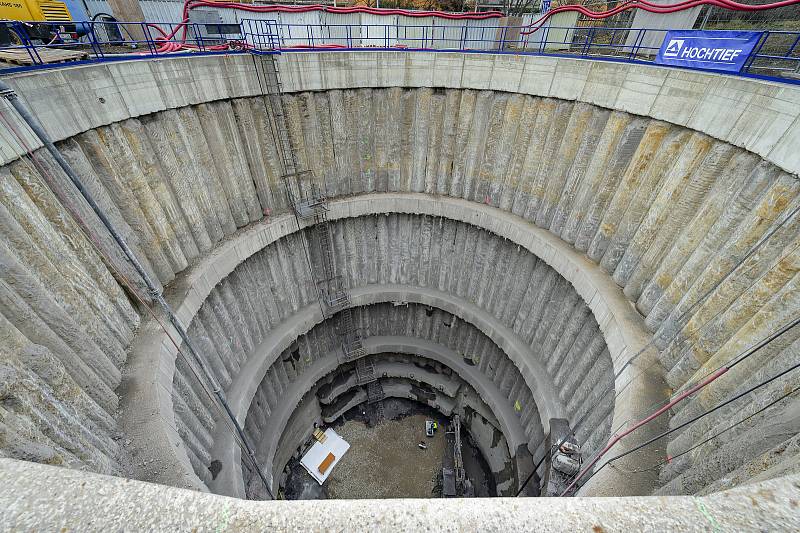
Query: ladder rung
(315,206)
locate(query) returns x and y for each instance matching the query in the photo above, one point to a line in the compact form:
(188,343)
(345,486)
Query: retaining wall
(666,200)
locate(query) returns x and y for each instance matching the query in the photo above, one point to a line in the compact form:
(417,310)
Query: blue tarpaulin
(715,50)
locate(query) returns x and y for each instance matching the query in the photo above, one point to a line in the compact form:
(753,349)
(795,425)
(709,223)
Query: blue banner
(715,50)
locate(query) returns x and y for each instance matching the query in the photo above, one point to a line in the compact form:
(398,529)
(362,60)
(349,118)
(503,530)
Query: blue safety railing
(37,45)
(29,45)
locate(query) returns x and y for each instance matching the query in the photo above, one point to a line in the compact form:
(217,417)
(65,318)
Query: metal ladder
(458,460)
(365,371)
(322,233)
(352,346)
(379,410)
(375,392)
(375,395)
(310,204)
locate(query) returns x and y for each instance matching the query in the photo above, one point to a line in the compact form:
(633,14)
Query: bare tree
(516,8)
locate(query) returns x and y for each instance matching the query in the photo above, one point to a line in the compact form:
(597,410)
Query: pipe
(8,93)
(719,372)
(188,5)
(645,5)
(616,438)
(654,8)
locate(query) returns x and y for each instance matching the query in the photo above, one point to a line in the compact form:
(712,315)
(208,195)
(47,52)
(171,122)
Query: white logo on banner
(673,48)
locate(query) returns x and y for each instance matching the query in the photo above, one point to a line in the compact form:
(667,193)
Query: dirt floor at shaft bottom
(385,461)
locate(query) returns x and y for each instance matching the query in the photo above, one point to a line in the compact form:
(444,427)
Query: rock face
(667,212)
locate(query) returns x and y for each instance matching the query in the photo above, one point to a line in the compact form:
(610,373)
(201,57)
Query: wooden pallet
(47,55)
(320,436)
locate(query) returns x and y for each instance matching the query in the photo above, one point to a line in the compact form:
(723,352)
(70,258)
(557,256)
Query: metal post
(8,93)
(93,41)
(752,57)
(705,17)
(199,36)
(19,29)
(637,43)
(151,43)
(543,41)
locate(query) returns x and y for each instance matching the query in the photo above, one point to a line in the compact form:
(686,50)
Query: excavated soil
(385,462)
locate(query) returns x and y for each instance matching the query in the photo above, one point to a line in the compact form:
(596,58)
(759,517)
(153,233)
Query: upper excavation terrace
(513,242)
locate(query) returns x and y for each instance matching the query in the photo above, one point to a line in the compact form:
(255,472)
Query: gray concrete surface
(658,179)
(268,429)
(385,462)
(38,497)
(760,116)
(224,261)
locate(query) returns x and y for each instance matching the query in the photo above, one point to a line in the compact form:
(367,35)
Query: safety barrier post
(543,40)
(93,40)
(198,37)
(148,37)
(25,40)
(587,43)
(754,53)
(243,31)
(636,43)
(278,44)
(791,51)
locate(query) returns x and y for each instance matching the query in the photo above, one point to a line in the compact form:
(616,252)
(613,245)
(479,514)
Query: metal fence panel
(97,6)
(681,20)
(557,33)
(777,55)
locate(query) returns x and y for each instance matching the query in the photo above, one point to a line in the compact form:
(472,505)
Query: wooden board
(326,463)
(47,55)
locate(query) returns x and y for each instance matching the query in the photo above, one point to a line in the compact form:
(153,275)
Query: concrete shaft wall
(500,381)
(452,257)
(423,380)
(667,212)
(65,327)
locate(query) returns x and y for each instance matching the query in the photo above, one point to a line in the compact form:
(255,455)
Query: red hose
(345,10)
(616,438)
(169,46)
(655,8)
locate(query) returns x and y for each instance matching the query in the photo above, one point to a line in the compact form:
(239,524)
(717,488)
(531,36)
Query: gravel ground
(385,462)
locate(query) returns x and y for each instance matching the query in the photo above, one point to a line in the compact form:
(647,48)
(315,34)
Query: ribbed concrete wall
(412,321)
(665,210)
(268,288)
(65,326)
(426,381)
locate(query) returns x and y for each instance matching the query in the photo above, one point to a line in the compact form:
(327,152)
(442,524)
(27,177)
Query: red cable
(191,4)
(344,10)
(645,5)
(616,438)
(655,8)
